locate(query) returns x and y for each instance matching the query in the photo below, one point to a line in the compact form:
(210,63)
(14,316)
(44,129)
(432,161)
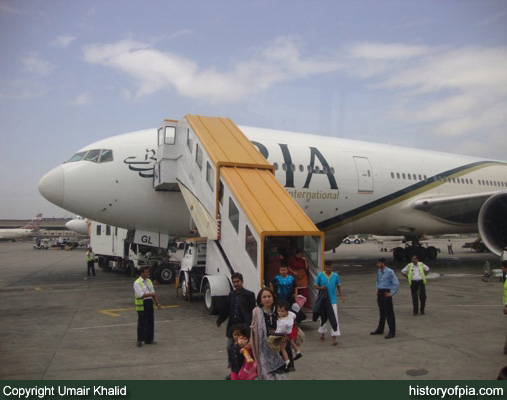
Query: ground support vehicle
(477,245)
(42,244)
(117,249)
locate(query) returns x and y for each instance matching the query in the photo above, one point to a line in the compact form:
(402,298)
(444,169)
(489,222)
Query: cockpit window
(99,155)
(77,156)
(107,155)
(93,155)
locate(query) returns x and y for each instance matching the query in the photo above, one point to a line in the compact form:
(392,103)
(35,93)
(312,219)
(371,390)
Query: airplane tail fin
(34,223)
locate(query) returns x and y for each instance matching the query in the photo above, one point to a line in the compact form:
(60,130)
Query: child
(286,326)
(241,352)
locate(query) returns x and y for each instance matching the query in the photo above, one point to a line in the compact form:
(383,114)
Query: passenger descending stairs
(233,197)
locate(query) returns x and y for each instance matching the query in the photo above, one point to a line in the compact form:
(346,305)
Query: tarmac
(57,325)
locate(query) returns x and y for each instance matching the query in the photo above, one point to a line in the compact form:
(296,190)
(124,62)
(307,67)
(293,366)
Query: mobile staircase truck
(236,203)
(118,249)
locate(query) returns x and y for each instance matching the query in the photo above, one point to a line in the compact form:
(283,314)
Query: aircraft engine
(493,222)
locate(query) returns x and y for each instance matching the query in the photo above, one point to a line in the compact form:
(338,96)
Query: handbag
(248,372)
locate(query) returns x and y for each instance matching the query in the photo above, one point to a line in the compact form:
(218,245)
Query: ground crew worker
(415,272)
(144,297)
(90,261)
(387,285)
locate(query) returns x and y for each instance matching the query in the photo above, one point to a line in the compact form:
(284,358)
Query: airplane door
(364,175)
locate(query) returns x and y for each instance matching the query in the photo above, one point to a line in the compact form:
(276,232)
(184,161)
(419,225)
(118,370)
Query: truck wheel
(165,273)
(186,290)
(131,269)
(214,304)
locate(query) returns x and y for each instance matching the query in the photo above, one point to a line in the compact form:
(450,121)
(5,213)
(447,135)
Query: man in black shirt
(239,308)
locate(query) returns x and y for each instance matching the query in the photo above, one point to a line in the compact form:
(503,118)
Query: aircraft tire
(480,248)
(432,253)
(399,253)
(422,253)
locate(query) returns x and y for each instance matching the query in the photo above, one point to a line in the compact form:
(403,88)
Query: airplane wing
(457,208)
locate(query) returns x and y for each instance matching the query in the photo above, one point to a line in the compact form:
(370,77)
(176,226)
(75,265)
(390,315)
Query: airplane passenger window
(107,155)
(284,167)
(332,170)
(392,175)
(409,177)
(292,167)
(301,168)
(420,177)
(403,175)
(425,177)
(398,175)
(77,156)
(275,166)
(93,155)
(415,177)
(316,169)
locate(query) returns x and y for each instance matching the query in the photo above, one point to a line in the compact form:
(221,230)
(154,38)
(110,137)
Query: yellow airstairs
(236,203)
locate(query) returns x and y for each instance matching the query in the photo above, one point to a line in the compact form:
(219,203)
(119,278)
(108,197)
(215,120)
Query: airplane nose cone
(51,186)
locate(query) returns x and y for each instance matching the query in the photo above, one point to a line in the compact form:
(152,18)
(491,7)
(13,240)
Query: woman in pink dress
(298,266)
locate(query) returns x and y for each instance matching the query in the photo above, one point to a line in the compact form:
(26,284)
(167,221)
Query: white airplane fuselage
(16,233)
(344,186)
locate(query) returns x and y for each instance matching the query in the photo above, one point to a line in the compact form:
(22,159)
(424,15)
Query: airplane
(17,233)
(78,225)
(344,186)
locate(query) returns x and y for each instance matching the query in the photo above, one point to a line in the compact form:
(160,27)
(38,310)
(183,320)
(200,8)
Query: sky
(422,73)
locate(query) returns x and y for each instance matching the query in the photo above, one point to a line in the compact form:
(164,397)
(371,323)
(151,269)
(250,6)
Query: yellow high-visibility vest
(411,271)
(140,302)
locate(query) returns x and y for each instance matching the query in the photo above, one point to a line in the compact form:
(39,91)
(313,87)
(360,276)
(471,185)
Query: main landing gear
(422,252)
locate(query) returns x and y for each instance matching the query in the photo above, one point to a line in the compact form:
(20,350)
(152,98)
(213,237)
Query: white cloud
(81,100)
(457,92)
(382,51)
(62,41)
(34,64)
(154,70)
